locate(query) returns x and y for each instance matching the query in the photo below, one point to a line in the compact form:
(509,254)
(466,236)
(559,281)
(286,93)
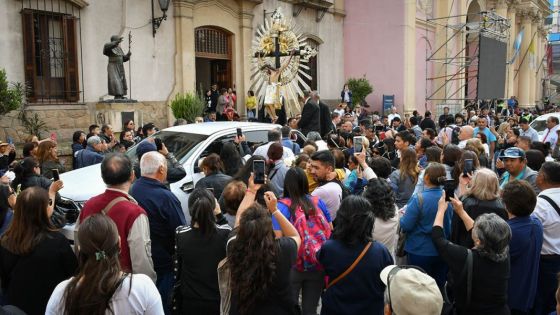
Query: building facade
(424,51)
(55,47)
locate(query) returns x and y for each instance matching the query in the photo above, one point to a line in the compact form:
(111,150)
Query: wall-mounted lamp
(156,22)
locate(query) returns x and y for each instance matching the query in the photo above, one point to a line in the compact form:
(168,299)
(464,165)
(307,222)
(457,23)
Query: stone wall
(63,120)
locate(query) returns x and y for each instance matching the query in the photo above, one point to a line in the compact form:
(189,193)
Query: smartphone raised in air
(258,172)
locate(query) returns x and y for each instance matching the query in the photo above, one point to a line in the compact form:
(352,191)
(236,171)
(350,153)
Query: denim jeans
(432,265)
(164,284)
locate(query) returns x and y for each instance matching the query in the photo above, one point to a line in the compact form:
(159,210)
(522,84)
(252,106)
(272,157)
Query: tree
(360,88)
(11,94)
(187,106)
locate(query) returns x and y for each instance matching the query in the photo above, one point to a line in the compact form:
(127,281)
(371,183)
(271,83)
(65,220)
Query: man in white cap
(410,291)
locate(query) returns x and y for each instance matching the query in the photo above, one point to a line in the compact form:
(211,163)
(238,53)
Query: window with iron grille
(212,43)
(50,56)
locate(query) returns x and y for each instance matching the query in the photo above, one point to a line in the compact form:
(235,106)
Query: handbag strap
(551,202)
(469,276)
(347,271)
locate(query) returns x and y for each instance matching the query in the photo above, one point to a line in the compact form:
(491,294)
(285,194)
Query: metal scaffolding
(464,66)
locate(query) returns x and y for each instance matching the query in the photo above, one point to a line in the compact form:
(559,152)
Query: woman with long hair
(417,224)
(101,287)
(34,257)
(199,249)
(475,145)
(259,262)
(214,178)
(360,291)
(405,178)
(48,158)
(479,193)
(460,165)
(78,143)
(311,217)
(7,203)
(231,159)
(379,193)
(245,173)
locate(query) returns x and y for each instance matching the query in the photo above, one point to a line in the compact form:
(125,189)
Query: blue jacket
(164,214)
(524,250)
(418,223)
(87,157)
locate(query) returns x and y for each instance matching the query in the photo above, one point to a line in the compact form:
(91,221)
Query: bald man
(465,134)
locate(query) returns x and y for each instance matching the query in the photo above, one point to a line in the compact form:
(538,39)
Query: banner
(532,54)
(388,103)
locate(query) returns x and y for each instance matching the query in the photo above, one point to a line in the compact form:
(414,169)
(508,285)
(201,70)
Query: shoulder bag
(349,269)
(400,252)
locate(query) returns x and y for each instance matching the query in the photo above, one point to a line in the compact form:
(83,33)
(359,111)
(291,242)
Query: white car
(539,123)
(189,143)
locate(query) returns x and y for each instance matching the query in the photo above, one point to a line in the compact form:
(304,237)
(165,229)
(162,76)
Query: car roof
(545,116)
(208,128)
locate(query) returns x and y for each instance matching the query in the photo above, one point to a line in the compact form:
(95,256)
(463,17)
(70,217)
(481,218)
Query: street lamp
(156,22)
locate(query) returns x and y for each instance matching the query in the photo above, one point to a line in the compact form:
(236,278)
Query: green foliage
(11,94)
(360,88)
(32,123)
(187,106)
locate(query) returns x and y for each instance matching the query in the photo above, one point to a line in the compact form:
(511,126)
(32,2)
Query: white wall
(152,58)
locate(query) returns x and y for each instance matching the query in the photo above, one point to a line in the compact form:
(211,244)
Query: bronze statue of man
(115,68)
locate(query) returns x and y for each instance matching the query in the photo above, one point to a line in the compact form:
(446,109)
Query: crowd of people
(370,214)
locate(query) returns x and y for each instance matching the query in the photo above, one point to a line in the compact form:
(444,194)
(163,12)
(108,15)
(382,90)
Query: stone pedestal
(115,114)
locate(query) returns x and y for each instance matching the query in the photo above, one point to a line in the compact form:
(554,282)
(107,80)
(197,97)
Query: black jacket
(310,118)
(428,123)
(326,121)
(5,161)
(216,181)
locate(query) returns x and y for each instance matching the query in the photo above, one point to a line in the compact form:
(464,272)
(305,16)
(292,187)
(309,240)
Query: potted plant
(360,88)
(187,106)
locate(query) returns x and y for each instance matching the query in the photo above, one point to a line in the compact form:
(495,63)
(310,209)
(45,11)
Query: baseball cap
(3,143)
(145,147)
(513,153)
(411,284)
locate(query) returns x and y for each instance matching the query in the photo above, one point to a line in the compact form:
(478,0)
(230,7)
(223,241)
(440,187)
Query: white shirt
(386,233)
(531,133)
(550,221)
(144,297)
(263,151)
(331,194)
(462,144)
(392,116)
(551,136)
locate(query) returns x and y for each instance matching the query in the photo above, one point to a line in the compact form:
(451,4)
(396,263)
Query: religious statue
(115,68)
(272,100)
(280,56)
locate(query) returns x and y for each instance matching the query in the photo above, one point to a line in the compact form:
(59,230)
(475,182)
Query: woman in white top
(100,286)
(381,196)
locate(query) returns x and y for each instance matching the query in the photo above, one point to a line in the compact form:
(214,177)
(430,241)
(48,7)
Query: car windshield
(181,144)
(539,125)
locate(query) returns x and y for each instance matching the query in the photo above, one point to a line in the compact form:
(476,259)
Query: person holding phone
(48,158)
(7,156)
(417,224)
(479,192)
(266,290)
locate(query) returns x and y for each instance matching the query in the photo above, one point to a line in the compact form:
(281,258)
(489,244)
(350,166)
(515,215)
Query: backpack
(314,232)
(345,190)
(455,135)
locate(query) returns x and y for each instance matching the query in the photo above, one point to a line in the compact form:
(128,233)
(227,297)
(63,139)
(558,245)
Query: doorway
(213,52)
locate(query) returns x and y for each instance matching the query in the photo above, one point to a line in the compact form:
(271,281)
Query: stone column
(510,68)
(409,74)
(246,37)
(525,72)
(185,70)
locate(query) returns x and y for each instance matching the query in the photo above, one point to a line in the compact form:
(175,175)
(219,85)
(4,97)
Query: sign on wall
(388,103)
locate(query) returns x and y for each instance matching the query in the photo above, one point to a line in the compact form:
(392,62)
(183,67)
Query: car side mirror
(187,187)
